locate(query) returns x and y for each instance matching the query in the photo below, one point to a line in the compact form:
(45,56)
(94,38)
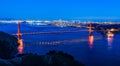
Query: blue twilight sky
(59,9)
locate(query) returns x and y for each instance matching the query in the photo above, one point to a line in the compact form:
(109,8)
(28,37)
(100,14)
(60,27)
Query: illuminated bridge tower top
(90,29)
(19,34)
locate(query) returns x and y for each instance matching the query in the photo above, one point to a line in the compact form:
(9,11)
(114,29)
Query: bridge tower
(19,34)
(90,29)
(91,37)
(20,46)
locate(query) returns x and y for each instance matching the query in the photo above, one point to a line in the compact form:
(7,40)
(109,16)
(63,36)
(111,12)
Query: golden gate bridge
(90,40)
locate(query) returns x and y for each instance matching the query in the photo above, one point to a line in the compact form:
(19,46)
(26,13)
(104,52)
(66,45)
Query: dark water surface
(103,52)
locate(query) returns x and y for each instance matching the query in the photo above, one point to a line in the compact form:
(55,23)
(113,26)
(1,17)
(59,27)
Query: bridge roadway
(59,32)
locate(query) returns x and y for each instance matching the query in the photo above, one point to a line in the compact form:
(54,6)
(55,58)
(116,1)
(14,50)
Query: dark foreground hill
(8,46)
(9,57)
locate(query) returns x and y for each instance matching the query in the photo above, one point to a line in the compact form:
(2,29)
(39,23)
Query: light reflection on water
(110,41)
(91,40)
(76,44)
(20,46)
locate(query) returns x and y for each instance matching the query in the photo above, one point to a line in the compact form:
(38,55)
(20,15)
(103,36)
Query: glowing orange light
(90,29)
(112,29)
(20,47)
(91,40)
(110,36)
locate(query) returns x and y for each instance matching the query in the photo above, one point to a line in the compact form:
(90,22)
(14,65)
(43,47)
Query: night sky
(59,9)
